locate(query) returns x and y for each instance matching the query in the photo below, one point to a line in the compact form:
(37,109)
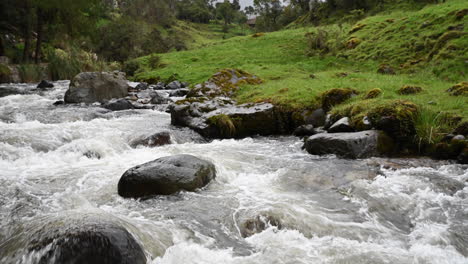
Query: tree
(269,12)
(226,11)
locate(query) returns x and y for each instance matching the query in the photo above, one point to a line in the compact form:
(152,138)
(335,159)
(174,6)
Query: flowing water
(270,203)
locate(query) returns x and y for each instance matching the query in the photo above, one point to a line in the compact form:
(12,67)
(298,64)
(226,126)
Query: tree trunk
(27,32)
(39,36)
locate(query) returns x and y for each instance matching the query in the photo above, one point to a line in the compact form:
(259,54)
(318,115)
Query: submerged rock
(118,105)
(142,86)
(90,87)
(166,176)
(158,139)
(45,84)
(77,237)
(356,145)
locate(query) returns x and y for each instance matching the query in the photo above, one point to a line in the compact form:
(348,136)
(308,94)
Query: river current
(271,201)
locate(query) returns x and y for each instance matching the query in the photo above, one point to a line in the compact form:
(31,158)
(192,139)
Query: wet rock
(45,84)
(90,87)
(59,102)
(118,105)
(142,86)
(165,176)
(77,237)
(458,137)
(174,85)
(222,118)
(341,125)
(461,129)
(179,92)
(463,156)
(448,137)
(386,69)
(158,139)
(316,118)
(258,224)
(355,145)
(304,130)
(210,111)
(157,98)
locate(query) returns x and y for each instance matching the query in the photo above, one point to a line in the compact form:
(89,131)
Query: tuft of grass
(224,123)
(431,127)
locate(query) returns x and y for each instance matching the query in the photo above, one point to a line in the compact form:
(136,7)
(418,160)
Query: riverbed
(271,202)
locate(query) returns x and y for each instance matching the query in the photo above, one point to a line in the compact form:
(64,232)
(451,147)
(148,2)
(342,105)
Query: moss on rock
(409,89)
(459,89)
(353,43)
(336,96)
(373,93)
(386,69)
(224,124)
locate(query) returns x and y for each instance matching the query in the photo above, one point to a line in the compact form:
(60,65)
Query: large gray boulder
(90,87)
(166,176)
(364,144)
(71,238)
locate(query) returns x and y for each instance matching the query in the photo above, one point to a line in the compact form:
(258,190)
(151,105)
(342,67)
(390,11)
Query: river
(270,203)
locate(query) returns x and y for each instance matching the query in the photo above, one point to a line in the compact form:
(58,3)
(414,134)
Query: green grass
(280,59)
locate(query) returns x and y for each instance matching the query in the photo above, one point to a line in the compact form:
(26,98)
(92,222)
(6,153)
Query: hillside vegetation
(427,48)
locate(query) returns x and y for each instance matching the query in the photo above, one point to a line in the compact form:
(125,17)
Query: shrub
(30,73)
(154,61)
(130,67)
(322,42)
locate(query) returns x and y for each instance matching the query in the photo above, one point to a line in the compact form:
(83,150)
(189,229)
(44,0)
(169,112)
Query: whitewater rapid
(314,209)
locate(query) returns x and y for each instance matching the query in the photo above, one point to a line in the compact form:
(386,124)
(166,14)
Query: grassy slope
(279,58)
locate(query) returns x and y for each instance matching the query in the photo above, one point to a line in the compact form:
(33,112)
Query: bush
(130,67)
(323,42)
(30,73)
(154,61)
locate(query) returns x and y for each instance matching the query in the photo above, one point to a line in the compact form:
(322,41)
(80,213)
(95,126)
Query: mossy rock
(386,69)
(224,124)
(461,129)
(336,96)
(395,117)
(459,89)
(443,39)
(461,13)
(409,89)
(373,93)
(5,74)
(356,28)
(352,43)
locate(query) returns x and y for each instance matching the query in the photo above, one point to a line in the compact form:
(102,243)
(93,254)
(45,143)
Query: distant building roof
(252,21)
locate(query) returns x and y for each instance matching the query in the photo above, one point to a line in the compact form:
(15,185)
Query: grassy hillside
(427,48)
